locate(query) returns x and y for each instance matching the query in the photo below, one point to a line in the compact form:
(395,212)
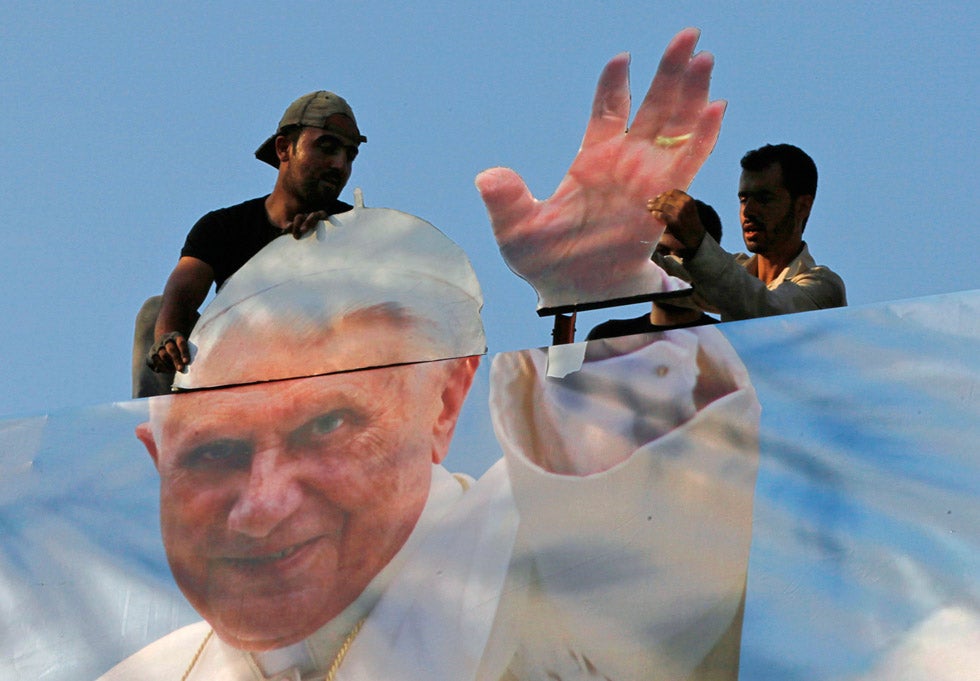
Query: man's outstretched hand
(591,240)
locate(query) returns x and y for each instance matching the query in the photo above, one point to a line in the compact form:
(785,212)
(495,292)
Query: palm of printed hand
(591,240)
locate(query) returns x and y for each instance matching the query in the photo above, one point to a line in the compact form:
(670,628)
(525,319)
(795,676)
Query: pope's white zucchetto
(362,260)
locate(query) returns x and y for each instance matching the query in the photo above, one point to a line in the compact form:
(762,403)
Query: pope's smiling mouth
(265,559)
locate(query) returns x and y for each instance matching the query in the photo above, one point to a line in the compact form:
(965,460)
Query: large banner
(342,487)
(793,497)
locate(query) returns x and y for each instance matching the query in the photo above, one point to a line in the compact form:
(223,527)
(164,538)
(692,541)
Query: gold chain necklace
(342,653)
(331,672)
(200,649)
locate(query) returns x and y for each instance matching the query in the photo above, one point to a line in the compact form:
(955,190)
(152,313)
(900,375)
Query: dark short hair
(709,219)
(292,133)
(799,170)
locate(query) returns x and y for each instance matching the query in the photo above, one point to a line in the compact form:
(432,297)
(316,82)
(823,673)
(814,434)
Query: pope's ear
(145,434)
(458,382)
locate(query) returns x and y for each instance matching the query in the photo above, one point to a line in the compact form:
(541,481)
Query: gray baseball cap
(313,110)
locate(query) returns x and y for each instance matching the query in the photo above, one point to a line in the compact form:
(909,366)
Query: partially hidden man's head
(284,496)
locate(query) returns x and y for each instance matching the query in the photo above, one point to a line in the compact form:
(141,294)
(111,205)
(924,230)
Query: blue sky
(122,123)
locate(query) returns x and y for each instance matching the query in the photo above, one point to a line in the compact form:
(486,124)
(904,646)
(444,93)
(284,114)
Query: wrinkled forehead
(281,408)
(285,342)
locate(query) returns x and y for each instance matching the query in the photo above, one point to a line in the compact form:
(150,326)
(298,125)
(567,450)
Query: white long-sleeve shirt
(727,284)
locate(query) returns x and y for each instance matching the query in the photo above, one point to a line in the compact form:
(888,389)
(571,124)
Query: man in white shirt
(776,192)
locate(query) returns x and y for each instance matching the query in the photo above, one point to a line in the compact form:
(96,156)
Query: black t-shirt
(627,327)
(226,238)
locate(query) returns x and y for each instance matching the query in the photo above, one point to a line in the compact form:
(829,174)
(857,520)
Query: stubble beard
(315,196)
(311,194)
(775,234)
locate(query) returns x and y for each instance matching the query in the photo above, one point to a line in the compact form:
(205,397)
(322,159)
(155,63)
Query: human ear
(283,145)
(458,383)
(145,435)
(803,204)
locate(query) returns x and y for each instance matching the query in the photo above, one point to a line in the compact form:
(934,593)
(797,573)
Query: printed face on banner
(348,355)
(281,501)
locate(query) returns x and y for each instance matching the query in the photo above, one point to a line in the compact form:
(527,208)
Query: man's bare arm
(186,289)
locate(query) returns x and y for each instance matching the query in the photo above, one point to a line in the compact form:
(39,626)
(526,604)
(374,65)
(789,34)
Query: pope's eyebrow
(223,453)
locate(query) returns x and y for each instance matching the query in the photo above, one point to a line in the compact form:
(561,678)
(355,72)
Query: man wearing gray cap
(313,149)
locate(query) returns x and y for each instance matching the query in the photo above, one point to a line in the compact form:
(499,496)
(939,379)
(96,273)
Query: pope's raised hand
(591,240)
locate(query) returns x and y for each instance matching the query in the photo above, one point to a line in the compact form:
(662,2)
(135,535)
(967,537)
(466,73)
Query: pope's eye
(320,428)
(219,453)
(323,425)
